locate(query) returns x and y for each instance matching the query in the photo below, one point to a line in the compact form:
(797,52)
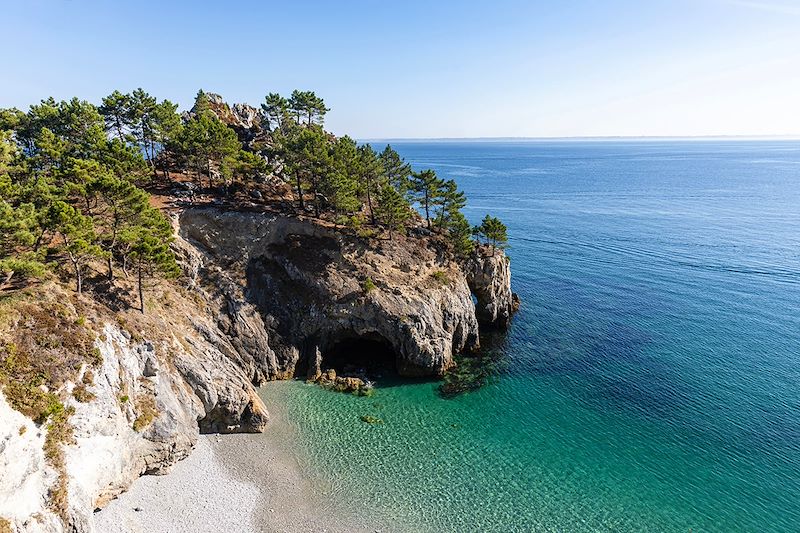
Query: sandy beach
(244,483)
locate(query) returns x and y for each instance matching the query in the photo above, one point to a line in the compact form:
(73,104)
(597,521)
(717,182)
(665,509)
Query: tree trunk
(369,201)
(141,290)
(300,194)
(110,267)
(316,199)
(427,213)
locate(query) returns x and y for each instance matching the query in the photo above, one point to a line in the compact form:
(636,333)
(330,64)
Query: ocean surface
(651,379)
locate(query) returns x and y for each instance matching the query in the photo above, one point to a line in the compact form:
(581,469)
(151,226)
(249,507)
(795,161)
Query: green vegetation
(369,285)
(441,277)
(493,231)
(73,180)
(81,186)
(70,177)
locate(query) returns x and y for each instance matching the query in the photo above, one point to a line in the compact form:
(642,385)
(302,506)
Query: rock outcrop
(488,274)
(244,119)
(315,287)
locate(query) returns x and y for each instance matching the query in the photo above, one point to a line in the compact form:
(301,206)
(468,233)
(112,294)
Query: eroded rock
(489,277)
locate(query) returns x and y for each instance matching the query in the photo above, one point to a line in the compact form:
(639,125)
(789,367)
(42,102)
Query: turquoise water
(651,380)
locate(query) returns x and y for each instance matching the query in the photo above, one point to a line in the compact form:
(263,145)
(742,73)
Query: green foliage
(393,209)
(147,245)
(396,170)
(70,176)
(306,105)
(276,110)
(205,142)
(493,231)
(459,234)
(426,190)
(370,173)
(368,285)
(441,277)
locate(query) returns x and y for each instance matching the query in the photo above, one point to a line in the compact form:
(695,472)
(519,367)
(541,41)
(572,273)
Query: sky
(430,69)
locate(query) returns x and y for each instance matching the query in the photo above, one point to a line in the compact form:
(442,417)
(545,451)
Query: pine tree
(341,185)
(78,236)
(307,105)
(149,249)
(393,209)
(396,170)
(450,201)
(493,230)
(370,172)
(202,105)
(167,125)
(426,188)
(118,114)
(309,162)
(275,108)
(143,107)
(459,232)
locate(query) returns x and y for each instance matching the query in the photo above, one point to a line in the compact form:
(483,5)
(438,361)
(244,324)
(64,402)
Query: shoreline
(237,482)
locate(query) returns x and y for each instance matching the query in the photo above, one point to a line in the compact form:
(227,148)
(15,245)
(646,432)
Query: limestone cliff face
(489,276)
(149,400)
(313,287)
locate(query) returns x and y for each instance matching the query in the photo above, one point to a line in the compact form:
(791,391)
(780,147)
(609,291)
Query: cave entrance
(353,355)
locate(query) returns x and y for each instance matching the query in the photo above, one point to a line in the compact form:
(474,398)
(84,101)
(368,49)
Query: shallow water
(651,380)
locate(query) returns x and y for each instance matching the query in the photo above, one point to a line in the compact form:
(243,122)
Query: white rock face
(108,453)
(24,475)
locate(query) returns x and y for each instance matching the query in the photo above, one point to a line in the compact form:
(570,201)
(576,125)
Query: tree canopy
(74,180)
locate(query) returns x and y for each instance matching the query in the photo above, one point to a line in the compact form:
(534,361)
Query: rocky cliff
(264,296)
(315,288)
(488,275)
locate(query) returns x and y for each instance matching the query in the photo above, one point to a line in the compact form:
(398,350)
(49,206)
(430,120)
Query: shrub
(369,285)
(441,277)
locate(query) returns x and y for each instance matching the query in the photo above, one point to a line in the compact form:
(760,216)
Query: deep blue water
(651,380)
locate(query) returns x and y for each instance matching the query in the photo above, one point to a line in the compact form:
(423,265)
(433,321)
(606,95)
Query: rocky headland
(264,296)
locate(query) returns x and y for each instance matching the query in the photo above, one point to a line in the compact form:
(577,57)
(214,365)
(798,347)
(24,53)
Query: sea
(649,382)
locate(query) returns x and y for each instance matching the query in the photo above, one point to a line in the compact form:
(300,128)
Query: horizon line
(783,137)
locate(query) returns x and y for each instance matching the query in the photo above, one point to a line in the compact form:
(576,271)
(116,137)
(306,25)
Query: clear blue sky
(431,69)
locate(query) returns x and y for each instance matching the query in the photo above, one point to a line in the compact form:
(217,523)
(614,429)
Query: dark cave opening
(353,355)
